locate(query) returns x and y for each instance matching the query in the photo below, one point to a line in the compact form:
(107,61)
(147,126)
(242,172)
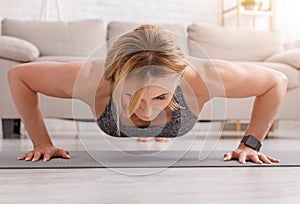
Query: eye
(161,98)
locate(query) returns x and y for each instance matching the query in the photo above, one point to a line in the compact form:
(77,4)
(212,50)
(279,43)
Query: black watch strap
(252,142)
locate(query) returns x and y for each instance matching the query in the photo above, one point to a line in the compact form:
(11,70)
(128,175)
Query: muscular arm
(268,86)
(55,79)
(49,78)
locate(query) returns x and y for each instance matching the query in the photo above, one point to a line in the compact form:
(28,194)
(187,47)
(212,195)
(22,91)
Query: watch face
(252,142)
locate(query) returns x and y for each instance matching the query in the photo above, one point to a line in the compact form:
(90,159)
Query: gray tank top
(183,120)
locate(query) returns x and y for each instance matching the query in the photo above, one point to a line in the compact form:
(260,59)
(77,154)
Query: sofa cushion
(232,43)
(60,59)
(290,72)
(17,49)
(290,57)
(291,45)
(77,38)
(115,29)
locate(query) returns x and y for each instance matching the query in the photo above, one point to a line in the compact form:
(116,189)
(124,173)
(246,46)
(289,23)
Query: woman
(128,93)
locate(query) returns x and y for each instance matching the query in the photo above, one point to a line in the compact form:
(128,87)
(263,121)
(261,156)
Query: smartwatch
(252,142)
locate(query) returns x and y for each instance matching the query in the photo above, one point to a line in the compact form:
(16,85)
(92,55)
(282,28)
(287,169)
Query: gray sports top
(183,120)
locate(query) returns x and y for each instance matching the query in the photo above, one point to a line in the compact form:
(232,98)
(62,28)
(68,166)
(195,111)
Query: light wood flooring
(173,185)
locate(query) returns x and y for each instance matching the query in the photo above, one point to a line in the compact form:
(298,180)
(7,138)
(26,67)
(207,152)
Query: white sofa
(27,41)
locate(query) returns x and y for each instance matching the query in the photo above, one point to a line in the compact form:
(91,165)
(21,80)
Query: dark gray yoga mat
(134,159)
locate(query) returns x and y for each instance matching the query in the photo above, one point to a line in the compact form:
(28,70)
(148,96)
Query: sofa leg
(238,126)
(11,128)
(272,128)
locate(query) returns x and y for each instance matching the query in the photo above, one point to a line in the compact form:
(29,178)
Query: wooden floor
(172,185)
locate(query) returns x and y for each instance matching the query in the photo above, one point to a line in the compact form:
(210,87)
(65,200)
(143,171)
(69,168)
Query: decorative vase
(250,7)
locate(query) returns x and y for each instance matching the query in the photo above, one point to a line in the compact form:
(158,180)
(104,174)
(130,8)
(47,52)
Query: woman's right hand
(46,152)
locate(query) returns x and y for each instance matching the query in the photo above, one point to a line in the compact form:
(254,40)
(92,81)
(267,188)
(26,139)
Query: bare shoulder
(91,86)
(246,79)
(195,76)
(194,89)
(89,81)
(50,78)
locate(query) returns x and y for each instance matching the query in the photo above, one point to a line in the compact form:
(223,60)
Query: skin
(152,109)
(58,80)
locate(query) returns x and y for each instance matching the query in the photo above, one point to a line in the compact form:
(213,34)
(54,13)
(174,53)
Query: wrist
(243,146)
(251,142)
(46,144)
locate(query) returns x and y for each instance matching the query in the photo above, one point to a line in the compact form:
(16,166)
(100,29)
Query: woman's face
(154,100)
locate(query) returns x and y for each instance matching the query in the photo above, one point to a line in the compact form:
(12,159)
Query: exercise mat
(142,159)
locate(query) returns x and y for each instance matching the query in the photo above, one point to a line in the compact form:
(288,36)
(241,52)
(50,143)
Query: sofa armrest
(290,57)
(17,49)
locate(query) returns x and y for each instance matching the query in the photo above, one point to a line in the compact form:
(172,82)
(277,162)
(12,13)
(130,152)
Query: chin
(146,118)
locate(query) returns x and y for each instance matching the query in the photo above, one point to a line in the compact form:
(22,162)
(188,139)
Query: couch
(32,41)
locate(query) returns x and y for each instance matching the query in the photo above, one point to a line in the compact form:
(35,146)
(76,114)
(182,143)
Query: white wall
(162,11)
(289,19)
(154,11)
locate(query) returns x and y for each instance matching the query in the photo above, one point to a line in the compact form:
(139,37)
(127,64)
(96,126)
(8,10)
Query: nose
(146,108)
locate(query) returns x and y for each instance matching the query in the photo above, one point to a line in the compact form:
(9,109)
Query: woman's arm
(49,78)
(245,80)
(269,88)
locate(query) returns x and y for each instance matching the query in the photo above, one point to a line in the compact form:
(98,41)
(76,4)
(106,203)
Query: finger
(68,153)
(255,159)
(47,156)
(29,156)
(144,139)
(228,156)
(272,159)
(242,157)
(63,154)
(22,157)
(37,156)
(162,139)
(263,158)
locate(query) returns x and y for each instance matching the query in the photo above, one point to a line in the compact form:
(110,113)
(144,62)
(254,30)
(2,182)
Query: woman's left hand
(243,153)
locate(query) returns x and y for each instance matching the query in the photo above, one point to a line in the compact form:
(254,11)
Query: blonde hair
(146,45)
